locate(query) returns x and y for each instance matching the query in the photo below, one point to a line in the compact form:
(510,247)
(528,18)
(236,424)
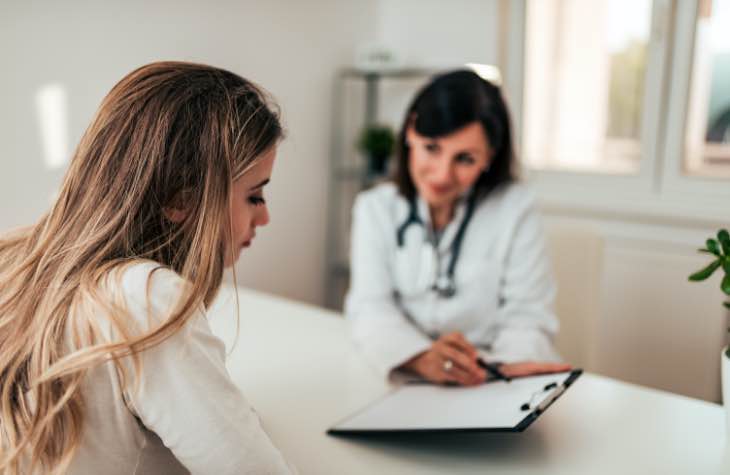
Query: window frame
(659,190)
(675,181)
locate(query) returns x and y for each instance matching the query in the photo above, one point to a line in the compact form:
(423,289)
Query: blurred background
(621,110)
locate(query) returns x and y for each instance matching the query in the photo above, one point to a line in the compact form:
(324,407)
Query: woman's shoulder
(147,290)
(383,199)
(515,196)
(381,194)
(145,277)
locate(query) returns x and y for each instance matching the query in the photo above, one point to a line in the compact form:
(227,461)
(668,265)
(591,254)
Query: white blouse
(187,416)
(504,287)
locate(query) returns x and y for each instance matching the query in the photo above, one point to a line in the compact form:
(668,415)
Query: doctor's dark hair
(449,102)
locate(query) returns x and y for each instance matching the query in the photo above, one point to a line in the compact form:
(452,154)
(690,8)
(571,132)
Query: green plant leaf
(713,247)
(725,285)
(724,237)
(706,272)
(377,140)
(727,305)
(726,264)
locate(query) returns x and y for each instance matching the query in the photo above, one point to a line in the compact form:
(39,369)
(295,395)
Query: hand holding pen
(493,370)
(453,360)
(450,360)
(507,371)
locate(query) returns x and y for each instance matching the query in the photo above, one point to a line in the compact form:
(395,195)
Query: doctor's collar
(418,213)
(424,213)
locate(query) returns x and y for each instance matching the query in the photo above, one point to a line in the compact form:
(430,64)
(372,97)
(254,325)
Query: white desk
(297,366)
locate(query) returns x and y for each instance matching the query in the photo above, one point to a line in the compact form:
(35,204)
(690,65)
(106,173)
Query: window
(585,66)
(622,105)
(707,139)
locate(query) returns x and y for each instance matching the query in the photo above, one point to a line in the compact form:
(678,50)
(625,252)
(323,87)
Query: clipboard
(497,406)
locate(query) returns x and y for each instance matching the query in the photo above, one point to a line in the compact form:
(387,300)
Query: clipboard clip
(557,390)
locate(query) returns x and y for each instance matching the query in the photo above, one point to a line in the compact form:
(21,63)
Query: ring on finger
(448,364)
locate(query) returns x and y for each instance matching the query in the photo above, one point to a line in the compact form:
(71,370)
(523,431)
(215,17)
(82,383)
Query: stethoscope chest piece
(444,287)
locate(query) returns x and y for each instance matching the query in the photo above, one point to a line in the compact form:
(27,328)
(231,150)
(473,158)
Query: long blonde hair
(169,134)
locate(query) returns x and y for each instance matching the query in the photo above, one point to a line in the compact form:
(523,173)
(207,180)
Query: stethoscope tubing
(449,290)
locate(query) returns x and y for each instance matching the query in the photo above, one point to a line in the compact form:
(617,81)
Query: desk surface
(297,367)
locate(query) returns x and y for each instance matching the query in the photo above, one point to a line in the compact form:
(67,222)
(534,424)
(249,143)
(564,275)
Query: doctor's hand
(451,359)
(529,368)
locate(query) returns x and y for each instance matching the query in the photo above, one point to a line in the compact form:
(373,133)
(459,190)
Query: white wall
(438,33)
(626,307)
(291,48)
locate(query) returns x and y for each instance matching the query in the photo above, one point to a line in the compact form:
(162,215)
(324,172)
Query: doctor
(448,261)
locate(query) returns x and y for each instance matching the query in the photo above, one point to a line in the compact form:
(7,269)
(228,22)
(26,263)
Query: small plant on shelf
(376,142)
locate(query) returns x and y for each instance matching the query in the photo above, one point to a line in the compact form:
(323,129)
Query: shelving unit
(348,174)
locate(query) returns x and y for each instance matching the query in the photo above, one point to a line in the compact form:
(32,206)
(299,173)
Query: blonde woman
(107,362)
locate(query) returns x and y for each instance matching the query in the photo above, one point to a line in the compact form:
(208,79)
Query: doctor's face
(444,168)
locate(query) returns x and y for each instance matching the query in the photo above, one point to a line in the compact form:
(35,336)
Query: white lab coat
(504,287)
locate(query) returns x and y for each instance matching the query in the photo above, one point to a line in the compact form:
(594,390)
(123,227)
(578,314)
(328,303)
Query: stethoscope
(444,285)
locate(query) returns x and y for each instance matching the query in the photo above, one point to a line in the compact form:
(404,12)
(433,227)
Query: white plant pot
(726,387)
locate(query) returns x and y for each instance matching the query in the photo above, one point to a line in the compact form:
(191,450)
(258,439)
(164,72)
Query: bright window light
(487,71)
(52,110)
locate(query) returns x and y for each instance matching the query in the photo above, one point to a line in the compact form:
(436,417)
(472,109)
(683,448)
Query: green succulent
(377,140)
(720,249)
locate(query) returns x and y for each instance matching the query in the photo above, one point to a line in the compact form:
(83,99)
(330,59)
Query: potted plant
(720,250)
(376,142)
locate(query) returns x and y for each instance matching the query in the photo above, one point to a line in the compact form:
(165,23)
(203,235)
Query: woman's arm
(188,399)
(378,326)
(527,321)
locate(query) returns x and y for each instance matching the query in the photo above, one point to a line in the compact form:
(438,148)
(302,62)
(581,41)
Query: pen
(493,369)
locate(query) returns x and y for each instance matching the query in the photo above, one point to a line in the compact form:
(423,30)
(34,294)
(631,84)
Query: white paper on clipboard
(495,406)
